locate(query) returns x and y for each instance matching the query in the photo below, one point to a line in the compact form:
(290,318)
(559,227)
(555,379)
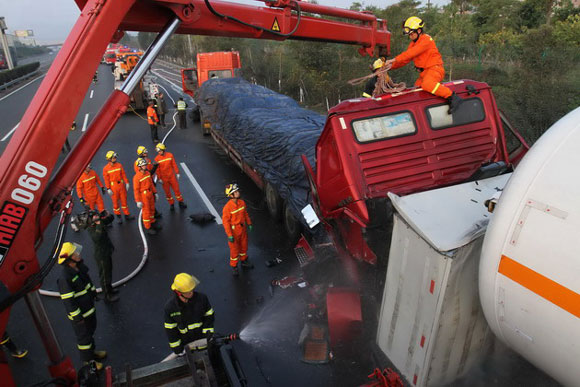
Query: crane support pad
(269,130)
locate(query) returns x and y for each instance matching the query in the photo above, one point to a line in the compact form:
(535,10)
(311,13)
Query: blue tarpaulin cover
(269,130)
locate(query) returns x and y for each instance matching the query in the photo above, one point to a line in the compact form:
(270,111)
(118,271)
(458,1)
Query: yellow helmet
(67,250)
(378,64)
(231,188)
(141,162)
(141,150)
(184,283)
(412,24)
(110,155)
(160,146)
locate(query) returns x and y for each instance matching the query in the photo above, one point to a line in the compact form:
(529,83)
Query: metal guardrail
(14,81)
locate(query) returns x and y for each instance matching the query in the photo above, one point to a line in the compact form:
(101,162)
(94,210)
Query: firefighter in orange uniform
(145,196)
(237,223)
(153,121)
(142,153)
(117,186)
(427,59)
(88,191)
(168,174)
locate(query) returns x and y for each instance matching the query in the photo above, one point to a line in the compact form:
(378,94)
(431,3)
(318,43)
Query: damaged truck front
(347,166)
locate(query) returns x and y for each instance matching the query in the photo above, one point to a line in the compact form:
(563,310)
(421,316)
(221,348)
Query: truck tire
(292,225)
(274,202)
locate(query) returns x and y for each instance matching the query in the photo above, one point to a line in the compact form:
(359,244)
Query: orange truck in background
(222,64)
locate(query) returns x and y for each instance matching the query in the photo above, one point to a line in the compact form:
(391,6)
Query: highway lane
(132,330)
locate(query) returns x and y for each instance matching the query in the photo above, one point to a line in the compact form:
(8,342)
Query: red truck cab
(223,64)
(404,143)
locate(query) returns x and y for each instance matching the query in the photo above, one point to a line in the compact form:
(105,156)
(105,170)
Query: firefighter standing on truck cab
(188,314)
(168,175)
(117,186)
(78,293)
(145,196)
(87,189)
(153,121)
(424,53)
(236,224)
(181,113)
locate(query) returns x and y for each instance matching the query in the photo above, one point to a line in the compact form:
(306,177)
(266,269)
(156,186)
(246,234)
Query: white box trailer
(431,324)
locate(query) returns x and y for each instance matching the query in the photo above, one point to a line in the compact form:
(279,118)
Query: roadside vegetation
(528,51)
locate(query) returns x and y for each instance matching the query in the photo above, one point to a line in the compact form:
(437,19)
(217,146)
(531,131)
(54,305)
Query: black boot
(151,231)
(157,214)
(172,207)
(129,217)
(247,264)
(119,219)
(235,271)
(182,205)
(156,226)
(454,101)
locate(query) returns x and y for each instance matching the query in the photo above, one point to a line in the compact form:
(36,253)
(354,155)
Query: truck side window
(470,111)
(220,74)
(383,127)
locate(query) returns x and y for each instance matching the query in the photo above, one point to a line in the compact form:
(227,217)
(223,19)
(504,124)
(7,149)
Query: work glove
(250,227)
(178,176)
(110,192)
(127,186)
(103,190)
(156,197)
(139,205)
(231,239)
(82,200)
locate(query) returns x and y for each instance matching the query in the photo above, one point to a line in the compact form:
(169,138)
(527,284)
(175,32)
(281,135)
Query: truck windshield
(470,111)
(382,127)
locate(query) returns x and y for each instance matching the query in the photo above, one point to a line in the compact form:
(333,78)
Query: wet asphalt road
(132,329)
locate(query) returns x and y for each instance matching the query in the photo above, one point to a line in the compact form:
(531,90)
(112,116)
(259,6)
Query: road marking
(92,91)
(22,87)
(175,87)
(208,204)
(85,122)
(10,133)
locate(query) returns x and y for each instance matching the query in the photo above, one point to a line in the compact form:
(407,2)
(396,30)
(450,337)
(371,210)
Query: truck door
(515,143)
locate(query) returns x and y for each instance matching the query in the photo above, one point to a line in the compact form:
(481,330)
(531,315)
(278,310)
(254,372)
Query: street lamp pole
(5,44)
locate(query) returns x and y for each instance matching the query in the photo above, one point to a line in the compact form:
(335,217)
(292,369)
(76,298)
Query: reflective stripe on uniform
(76,277)
(209,312)
(183,331)
(89,179)
(89,312)
(85,347)
(194,326)
(163,160)
(180,105)
(83,292)
(5,341)
(146,177)
(170,326)
(233,259)
(175,344)
(366,95)
(205,330)
(113,170)
(435,88)
(71,315)
(238,210)
(67,295)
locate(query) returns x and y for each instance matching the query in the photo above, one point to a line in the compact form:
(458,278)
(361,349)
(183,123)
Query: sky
(52,20)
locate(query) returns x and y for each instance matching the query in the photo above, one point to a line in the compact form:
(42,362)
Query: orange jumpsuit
(424,53)
(115,180)
(87,189)
(236,221)
(144,191)
(166,171)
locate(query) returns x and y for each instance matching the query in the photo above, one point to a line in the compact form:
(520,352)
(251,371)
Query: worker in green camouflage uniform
(103,252)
